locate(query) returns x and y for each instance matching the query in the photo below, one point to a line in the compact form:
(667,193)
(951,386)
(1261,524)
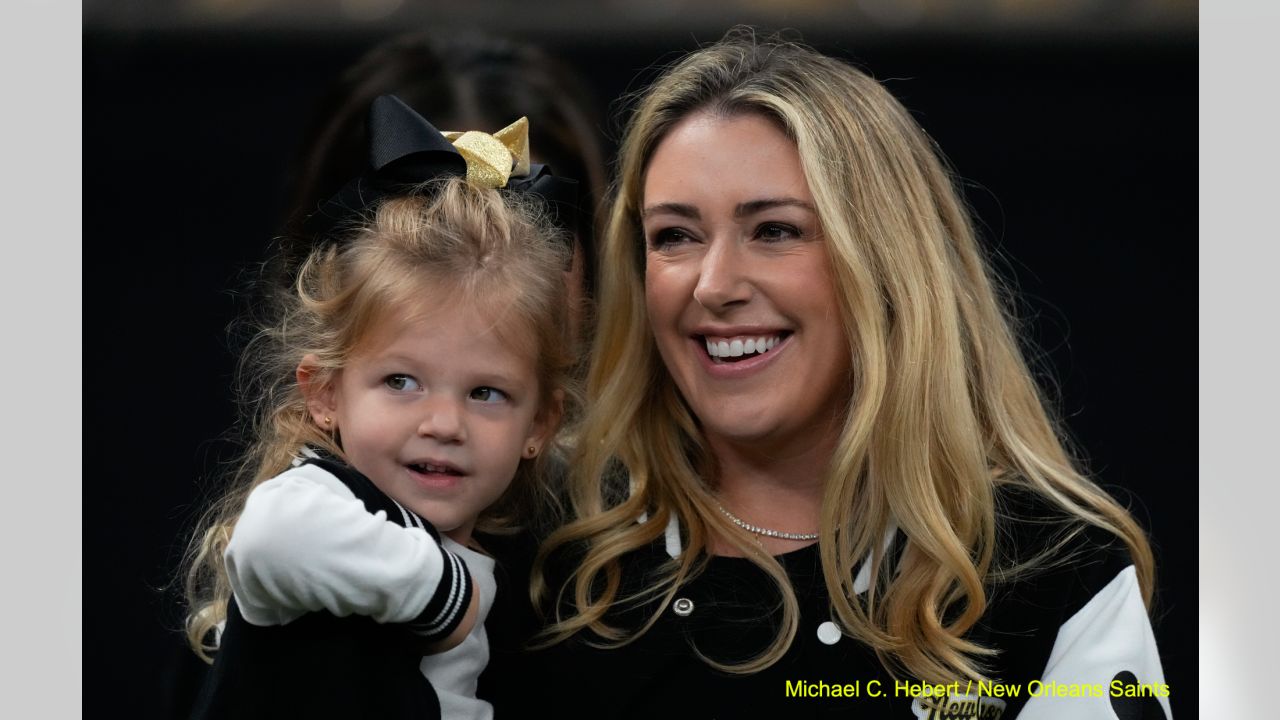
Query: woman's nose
(722,282)
(442,420)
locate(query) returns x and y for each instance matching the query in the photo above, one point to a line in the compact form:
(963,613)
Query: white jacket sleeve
(1107,646)
(306,543)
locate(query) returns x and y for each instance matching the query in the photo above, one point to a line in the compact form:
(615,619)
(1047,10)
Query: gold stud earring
(327,419)
(532,451)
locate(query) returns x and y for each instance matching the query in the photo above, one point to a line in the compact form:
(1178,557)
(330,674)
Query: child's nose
(442,420)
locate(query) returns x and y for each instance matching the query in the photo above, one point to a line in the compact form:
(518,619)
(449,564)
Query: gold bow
(493,159)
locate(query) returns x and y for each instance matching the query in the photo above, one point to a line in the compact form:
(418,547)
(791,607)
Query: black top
(733,616)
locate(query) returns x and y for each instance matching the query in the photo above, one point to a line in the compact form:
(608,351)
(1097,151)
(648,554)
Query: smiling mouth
(737,349)
(432,469)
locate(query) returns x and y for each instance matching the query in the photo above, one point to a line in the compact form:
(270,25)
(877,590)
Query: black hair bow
(405,151)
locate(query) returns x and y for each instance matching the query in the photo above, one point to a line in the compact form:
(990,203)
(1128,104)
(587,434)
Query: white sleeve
(1109,637)
(306,543)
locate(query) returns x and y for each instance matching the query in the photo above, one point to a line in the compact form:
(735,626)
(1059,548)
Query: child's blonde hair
(492,248)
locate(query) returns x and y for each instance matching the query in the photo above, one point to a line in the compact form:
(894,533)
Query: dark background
(1078,153)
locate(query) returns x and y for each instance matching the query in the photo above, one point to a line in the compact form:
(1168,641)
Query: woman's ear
(544,426)
(319,391)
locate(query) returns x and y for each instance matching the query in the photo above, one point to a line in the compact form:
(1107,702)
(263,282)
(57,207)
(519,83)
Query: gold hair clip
(493,159)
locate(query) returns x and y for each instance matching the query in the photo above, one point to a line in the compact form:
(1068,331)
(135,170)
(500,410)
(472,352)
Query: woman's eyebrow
(743,209)
(672,208)
(754,206)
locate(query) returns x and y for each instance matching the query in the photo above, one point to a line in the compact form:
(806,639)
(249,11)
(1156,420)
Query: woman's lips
(724,348)
(720,361)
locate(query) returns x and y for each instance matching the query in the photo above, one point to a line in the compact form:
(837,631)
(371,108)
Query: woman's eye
(488,395)
(402,383)
(773,232)
(668,237)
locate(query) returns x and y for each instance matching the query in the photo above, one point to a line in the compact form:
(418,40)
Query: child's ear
(544,426)
(317,386)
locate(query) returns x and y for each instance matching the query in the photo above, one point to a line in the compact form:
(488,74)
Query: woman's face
(738,285)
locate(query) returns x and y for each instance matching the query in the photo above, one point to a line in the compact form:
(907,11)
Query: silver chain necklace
(765,531)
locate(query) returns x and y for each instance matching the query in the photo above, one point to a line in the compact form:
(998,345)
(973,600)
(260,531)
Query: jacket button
(828,633)
(682,607)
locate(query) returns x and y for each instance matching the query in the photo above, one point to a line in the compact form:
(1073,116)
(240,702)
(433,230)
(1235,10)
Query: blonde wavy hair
(944,409)
(488,247)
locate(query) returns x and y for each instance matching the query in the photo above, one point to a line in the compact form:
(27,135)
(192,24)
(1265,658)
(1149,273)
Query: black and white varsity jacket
(337,590)
(1073,642)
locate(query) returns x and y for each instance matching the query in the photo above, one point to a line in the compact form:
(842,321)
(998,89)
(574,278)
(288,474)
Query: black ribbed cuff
(447,608)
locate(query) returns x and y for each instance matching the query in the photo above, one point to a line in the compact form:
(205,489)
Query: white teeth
(738,348)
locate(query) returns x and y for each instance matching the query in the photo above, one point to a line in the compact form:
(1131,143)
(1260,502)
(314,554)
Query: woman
(814,461)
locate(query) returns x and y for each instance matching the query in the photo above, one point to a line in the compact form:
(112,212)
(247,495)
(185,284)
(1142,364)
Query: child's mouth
(433,469)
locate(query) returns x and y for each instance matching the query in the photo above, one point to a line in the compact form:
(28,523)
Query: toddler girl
(408,390)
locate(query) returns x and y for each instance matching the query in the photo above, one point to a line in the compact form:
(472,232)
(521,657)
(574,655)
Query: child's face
(437,411)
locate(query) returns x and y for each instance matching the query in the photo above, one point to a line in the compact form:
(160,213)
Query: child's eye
(488,395)
(774,232)
(402,383)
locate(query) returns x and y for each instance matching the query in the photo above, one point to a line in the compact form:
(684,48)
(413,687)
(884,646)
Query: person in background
(460,80)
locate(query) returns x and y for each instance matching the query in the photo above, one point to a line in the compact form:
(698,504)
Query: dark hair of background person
(466,81)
